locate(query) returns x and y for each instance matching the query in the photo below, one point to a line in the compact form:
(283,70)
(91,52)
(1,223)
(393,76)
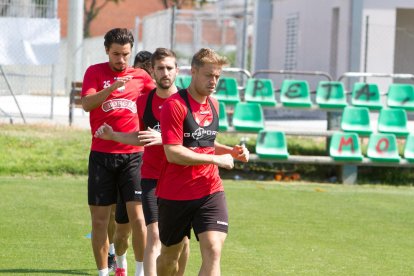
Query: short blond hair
(208,56)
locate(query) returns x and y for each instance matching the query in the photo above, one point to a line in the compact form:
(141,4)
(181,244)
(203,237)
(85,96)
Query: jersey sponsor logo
(222,223)
(119,104)
(200,133)
(157,127)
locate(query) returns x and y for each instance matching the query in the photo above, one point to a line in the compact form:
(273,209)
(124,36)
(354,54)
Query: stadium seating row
(296,93)
(248,117)
(382,147)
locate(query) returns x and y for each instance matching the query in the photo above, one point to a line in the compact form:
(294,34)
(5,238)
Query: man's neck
(196,96)
(165,93)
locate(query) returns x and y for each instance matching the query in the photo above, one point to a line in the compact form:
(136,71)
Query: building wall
(314,41)
(404,42)
(319,46)
(112,15)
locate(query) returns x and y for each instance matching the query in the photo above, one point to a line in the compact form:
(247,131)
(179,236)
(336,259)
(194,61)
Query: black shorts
(149,200)
(177,217)
(121,214)
(111,175)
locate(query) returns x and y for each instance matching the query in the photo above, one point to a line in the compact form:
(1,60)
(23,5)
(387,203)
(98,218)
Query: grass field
(275,229)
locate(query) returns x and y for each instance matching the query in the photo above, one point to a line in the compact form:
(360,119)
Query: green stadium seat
(182,81)
(356,119)
(248,117)
(295,93)
(382,147)
(393,120)
(401,96)
(227,91)
(223,120)
(345,147)
(330,94)
(260,91)
(409,148)
(366,95)
(272,145)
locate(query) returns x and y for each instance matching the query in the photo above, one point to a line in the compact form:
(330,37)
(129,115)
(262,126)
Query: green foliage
(288,229)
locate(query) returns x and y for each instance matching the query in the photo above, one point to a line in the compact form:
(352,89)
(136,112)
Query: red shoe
(120,272)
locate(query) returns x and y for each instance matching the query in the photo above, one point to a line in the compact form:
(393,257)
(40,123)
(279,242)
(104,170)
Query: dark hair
(143,60)
(120,36)
(161,53)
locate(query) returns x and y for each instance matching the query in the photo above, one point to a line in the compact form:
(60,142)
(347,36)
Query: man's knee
(167,264)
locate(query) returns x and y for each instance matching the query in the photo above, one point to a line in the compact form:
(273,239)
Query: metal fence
(20,78)
(186,31)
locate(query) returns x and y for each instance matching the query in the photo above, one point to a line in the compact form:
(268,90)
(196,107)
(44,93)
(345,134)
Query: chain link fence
(186,31)
(30,39)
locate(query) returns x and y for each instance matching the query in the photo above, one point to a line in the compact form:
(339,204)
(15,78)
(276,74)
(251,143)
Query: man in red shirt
(164,71)
(190,191)
(109,92)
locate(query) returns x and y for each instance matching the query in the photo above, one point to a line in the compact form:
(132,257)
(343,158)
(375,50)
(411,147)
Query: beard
(164,85)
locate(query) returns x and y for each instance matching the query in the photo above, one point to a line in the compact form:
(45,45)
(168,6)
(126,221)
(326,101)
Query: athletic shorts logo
(119,104)
(200,133)
(222,223)
(138,192)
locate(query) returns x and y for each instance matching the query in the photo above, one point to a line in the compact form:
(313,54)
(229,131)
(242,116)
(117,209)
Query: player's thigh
(102,190)
(129,178)
(149,200)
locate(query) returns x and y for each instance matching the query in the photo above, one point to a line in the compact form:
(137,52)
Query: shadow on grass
(28,271)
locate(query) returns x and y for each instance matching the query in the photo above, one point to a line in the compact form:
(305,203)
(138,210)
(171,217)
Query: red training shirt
(179,182)
(154,156)
(119,110)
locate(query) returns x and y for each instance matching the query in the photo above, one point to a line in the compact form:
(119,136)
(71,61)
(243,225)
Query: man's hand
(150,137)
(241,153)
(120,83)
(224,161)
(104,132)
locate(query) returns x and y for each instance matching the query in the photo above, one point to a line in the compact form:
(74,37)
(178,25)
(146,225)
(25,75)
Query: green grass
(288,229)
(43,150)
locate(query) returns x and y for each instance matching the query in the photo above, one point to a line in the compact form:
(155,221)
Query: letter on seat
(382,147)
(271,144)
(227,91)
(345,147)
(260,91)
(330,94)
(295,93)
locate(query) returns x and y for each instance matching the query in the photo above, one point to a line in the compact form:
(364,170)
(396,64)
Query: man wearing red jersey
(164,71)
(190,191)
(109,92)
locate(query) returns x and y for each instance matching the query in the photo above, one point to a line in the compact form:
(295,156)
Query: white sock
(139,268)
(103,272)
(121,261)
(111,249)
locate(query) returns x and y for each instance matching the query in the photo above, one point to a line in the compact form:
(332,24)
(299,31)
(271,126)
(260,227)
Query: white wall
(314,37)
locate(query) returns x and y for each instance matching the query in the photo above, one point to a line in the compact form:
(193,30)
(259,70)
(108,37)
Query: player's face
(164,72)
(205,78)
(118,56)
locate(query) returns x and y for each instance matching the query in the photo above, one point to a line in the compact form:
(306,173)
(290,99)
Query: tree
(92,11)
(179,3)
